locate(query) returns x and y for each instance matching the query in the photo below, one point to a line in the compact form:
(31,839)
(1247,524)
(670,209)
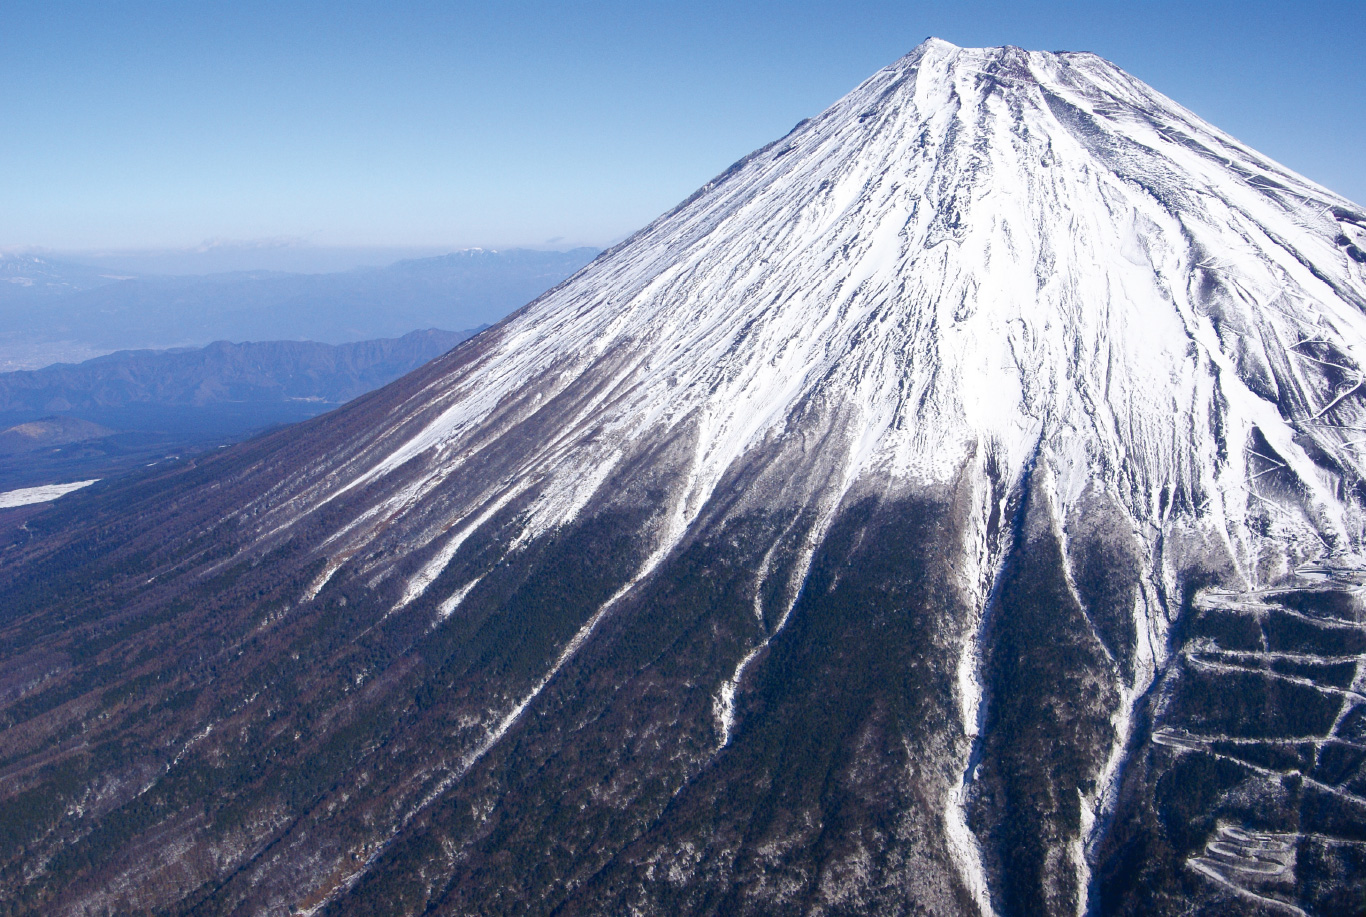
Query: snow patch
(26,496)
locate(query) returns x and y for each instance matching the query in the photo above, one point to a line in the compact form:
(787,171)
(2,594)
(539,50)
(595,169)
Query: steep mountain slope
(955,507)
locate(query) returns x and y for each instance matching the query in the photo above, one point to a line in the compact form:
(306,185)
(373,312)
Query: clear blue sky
(136,124)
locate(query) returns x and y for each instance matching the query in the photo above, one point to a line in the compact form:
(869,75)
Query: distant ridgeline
(53,310)
(62,419)
(130,408)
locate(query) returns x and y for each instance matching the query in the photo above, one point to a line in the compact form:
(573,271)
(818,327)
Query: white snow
(965,850)
(452,602)
(47,492)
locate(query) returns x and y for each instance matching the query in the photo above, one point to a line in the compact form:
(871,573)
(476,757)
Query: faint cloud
(274,242)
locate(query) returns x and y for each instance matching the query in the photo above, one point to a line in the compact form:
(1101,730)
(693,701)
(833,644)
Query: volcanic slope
(955,507)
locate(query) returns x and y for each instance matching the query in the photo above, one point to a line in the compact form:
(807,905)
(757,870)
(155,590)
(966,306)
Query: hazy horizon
(263,255)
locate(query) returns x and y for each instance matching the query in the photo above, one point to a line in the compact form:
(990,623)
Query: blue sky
(438,125)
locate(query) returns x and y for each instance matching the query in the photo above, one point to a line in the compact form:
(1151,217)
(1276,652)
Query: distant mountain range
(120,411)
(30,275)
(51,310)
(223,372)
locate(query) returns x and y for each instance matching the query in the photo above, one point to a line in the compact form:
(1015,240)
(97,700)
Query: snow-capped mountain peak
(977,251)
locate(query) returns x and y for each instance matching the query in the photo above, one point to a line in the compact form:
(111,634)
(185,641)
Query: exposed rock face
(953,508)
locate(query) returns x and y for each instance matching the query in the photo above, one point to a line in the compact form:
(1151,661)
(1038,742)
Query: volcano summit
(955,507)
